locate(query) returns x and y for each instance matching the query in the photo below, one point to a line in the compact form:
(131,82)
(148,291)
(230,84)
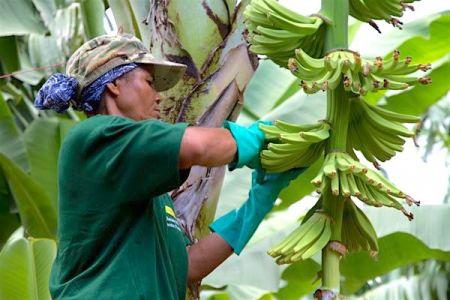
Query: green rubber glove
(238,226)
(249,142)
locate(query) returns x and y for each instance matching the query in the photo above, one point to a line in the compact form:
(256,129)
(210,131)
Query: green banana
(335,78)
(317,181)
(287,24)
(381,135)
(386,143)
(272,43)
(320,243)
(393,116)
(384,124)
(279,33)
(329,165)
(311,63)
(354,191)
(287,148)
(388,186)
(344,185)
(288,127)
(357,231)
(290,148)
(311,235)
(293,237)
(276,31)
(335,185)
(361,144)
(367,228)
(366,197)
(296,234)
(276,7)
(404,67)
(355,166)
(287,245)
(300,71)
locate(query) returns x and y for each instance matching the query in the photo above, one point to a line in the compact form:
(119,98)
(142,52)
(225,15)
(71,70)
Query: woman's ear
(112,88)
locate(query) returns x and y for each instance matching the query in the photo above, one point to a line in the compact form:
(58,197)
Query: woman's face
(137,98)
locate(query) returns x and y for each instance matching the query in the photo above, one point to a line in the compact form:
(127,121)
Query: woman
(118,235)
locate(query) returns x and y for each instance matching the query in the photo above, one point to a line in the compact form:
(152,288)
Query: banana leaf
(43,140)
(424,285)
(15,150)
(19,17)
(52,56)
(15,147)
(47,10)
(9,221)
(269,87)
(131,16)
(396,250)
(420,98)
(25,265)
(426,41)
(92,12)
(37,211)
(414,33)
(9,56)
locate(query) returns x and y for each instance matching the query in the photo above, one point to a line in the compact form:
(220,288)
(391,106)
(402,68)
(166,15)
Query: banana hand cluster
(358,233)
(357,74)
(376,132)
(348,177)
(275,31)
(388,10)
(293,146)
(304,241)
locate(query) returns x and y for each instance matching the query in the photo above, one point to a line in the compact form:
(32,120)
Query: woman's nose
(158,98)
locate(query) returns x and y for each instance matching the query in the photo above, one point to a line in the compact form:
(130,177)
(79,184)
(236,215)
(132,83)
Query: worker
(118,236)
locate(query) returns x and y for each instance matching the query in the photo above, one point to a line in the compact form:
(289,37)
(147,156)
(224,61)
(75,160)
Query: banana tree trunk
(210,92)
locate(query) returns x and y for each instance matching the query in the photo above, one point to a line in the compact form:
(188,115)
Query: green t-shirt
(118,237)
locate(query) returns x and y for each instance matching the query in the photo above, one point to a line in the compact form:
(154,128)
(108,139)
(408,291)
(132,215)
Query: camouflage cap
(101,54)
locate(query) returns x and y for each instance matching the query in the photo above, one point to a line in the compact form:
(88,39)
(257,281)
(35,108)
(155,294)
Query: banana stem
(337,31)
(338,115)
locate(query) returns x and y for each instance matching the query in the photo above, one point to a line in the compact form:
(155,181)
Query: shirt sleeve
(138,159)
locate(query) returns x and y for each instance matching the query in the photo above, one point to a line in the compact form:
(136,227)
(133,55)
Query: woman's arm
(206,255)
(232,231)
(209,147)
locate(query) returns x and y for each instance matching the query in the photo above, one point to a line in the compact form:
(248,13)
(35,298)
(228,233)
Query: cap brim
(166,73)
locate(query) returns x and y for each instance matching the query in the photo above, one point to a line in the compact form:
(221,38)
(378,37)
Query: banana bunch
(275,31)
(348,177)
(293,146)
(357,74)
(358,233)
(388,10)
(308,239)
(376,132)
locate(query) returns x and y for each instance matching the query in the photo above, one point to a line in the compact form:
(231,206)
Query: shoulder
(111,127)
(96,123)
(95,126)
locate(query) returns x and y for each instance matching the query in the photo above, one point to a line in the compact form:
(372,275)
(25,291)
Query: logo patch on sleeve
(170,211)
(171,218)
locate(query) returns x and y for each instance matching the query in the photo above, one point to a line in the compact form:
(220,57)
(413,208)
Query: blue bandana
(60,91)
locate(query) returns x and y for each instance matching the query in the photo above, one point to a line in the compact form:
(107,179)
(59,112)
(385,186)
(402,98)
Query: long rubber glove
(249,142)
(238,226)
